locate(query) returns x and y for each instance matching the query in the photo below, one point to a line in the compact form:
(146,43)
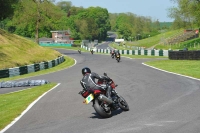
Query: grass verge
(13,104)
(185,67)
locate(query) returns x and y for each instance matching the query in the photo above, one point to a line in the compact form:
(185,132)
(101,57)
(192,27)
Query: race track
(159,102)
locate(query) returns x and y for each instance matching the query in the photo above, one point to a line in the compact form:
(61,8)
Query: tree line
(186,14)
(36,18)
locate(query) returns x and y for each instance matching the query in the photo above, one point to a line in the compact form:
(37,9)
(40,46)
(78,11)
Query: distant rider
(112,52)
(116,51)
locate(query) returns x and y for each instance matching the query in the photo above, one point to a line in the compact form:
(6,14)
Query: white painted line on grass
(26,110)
(171,72)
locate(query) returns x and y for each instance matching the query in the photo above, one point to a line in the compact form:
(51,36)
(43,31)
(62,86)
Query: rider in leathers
(88,81)
(117,52)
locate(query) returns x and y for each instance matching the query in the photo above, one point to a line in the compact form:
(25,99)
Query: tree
(7,8)
(187,13)
(42,16)
(65,5)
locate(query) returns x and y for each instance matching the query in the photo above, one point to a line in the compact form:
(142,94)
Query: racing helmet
(86,70)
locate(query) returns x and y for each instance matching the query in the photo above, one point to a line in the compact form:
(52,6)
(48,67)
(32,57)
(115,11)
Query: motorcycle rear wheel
(98,107)
(123,104)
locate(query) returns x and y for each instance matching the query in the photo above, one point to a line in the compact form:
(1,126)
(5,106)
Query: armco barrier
(135,52)
(11,72)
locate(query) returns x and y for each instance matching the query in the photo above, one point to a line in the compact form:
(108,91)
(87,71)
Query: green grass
(151,41)
(13,104)
(185,67)
(18,51)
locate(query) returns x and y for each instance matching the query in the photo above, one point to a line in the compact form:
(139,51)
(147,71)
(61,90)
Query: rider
(116,51)
(79,50)
(88,81)
(112,52)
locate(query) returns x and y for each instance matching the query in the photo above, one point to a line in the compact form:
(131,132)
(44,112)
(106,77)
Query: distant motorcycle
(79,51)
(117,56)
(112,54)
(92,51)
(103,105)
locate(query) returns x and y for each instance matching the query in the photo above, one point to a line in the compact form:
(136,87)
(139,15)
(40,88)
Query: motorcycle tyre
(126,108)
(117,59)
(100,110)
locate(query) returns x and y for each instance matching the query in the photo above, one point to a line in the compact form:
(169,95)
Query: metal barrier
(11,72)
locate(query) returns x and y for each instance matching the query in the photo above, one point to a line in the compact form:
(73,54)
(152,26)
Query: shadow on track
(71,53)
(116,112)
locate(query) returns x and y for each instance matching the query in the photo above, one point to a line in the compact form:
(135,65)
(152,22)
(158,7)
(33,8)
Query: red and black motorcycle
(112,54)
(103,105)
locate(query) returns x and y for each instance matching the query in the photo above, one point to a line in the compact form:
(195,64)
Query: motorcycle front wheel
(123,104)
(100,109)
(117,59)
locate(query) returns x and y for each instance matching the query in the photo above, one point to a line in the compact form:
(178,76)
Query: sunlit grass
(13,104)
(184,67)
(17,51)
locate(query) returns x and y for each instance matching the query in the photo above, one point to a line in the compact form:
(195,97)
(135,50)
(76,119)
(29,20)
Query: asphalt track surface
(159,102)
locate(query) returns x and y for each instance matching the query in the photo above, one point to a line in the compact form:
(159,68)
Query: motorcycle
(112,54)
(92,51)
(79,51)
(103,105)
(117,57)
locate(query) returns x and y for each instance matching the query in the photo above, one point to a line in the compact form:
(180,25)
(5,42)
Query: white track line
(26,110)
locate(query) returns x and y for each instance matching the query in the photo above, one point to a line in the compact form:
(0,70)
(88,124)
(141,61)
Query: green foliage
(65,5)
(7,8)
(132,27)
(186,14)
(91,23)
(38,19)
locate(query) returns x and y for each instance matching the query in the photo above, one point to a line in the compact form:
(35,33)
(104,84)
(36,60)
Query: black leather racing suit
(88,83)
(117,52)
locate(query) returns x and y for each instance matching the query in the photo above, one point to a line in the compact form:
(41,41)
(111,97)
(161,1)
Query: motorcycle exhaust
(105,99)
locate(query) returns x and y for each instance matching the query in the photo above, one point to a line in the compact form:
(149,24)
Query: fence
(11,72)
(134,52)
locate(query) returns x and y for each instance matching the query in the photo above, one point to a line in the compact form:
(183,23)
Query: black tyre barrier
(11,72)
(184,55)
(4,73)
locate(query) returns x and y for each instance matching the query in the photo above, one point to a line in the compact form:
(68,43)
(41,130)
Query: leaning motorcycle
(92,51)
(117,57)
(79,51)
(112,55)
(103,105)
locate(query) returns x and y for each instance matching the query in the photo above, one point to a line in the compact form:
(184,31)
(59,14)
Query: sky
(156,9)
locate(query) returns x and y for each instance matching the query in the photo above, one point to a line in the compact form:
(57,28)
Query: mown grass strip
(13,104)
(185,67)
